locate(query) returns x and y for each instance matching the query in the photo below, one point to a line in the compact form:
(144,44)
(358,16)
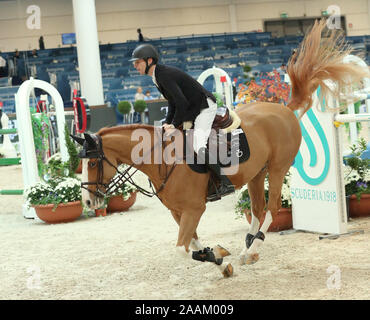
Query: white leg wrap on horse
(196,245)
(258,242)
(254,225)
(267,222)
(181,252)
(253,229)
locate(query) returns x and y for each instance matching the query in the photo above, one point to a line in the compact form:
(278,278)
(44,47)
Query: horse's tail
(318,59)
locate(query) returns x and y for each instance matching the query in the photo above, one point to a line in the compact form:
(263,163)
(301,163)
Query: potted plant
(140,107)
(56,200)
(357,180)
(123,197)
(124,108)
(282,220)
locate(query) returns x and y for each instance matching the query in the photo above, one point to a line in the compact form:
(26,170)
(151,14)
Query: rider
(188,102)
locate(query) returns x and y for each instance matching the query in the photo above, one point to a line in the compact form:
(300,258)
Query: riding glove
(187,125)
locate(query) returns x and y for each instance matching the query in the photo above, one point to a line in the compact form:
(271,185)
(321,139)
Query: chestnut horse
(274,137)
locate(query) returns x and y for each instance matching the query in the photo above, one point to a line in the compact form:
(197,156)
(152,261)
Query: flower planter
(101,212)
(280,221)
(117,204)
(64,212)
(359,208)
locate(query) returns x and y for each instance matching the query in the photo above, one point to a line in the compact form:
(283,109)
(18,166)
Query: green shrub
(124,107)
(140,106)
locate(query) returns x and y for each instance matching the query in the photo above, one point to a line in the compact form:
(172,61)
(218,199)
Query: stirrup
(222,191)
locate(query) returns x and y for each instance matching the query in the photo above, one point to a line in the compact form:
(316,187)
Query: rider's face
(140,66)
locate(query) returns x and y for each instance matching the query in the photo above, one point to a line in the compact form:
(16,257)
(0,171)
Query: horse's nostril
(88,203)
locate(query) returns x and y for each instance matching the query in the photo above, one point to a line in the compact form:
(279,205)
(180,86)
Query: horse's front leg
(188,223)
(194,243)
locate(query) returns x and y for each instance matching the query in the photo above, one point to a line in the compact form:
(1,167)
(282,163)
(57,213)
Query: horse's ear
(79,140)
(90,141)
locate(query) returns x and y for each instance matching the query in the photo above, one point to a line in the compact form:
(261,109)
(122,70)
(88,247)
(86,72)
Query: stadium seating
(193,54)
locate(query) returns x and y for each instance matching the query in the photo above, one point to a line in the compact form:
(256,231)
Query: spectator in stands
(41,43)
(188,102)
(16,56)
(148,96)
(3,68)
(139,94)
(34,53)
(282,69)
(140,35)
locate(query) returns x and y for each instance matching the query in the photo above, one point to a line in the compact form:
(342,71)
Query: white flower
(55,157)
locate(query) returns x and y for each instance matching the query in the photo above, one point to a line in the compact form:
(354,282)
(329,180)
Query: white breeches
(203,125)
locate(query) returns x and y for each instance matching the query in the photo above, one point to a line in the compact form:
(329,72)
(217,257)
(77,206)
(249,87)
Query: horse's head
(98,168)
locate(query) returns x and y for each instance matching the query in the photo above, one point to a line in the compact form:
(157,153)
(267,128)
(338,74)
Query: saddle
(225,119)
(227,137)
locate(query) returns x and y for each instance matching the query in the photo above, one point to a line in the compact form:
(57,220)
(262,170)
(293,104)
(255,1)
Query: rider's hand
(169,129)
(167,126)
(187,125)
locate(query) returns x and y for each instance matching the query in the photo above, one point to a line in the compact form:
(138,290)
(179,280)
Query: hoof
(222,252)
(252,258)
(228,271)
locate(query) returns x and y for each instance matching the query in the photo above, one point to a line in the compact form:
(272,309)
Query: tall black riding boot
(226,187)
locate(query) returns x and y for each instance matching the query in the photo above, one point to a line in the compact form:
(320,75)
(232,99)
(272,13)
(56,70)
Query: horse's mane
(128,127)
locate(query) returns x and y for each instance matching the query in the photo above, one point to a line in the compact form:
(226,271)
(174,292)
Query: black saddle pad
(231,149)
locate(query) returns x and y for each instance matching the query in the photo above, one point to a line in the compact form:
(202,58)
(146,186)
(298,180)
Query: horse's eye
(92,164)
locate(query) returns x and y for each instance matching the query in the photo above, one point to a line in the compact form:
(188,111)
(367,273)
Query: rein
(122,178)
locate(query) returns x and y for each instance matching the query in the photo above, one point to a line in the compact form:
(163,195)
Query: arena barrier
(26,144)
(317,184)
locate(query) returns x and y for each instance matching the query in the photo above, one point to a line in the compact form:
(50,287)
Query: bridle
(107,189)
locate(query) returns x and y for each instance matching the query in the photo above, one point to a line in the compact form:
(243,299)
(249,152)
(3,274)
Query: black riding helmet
(145,51)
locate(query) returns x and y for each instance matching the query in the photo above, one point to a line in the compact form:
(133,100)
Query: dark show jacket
(186,96)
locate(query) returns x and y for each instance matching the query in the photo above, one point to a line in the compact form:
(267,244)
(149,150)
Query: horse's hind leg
(276,178)
(256,192)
